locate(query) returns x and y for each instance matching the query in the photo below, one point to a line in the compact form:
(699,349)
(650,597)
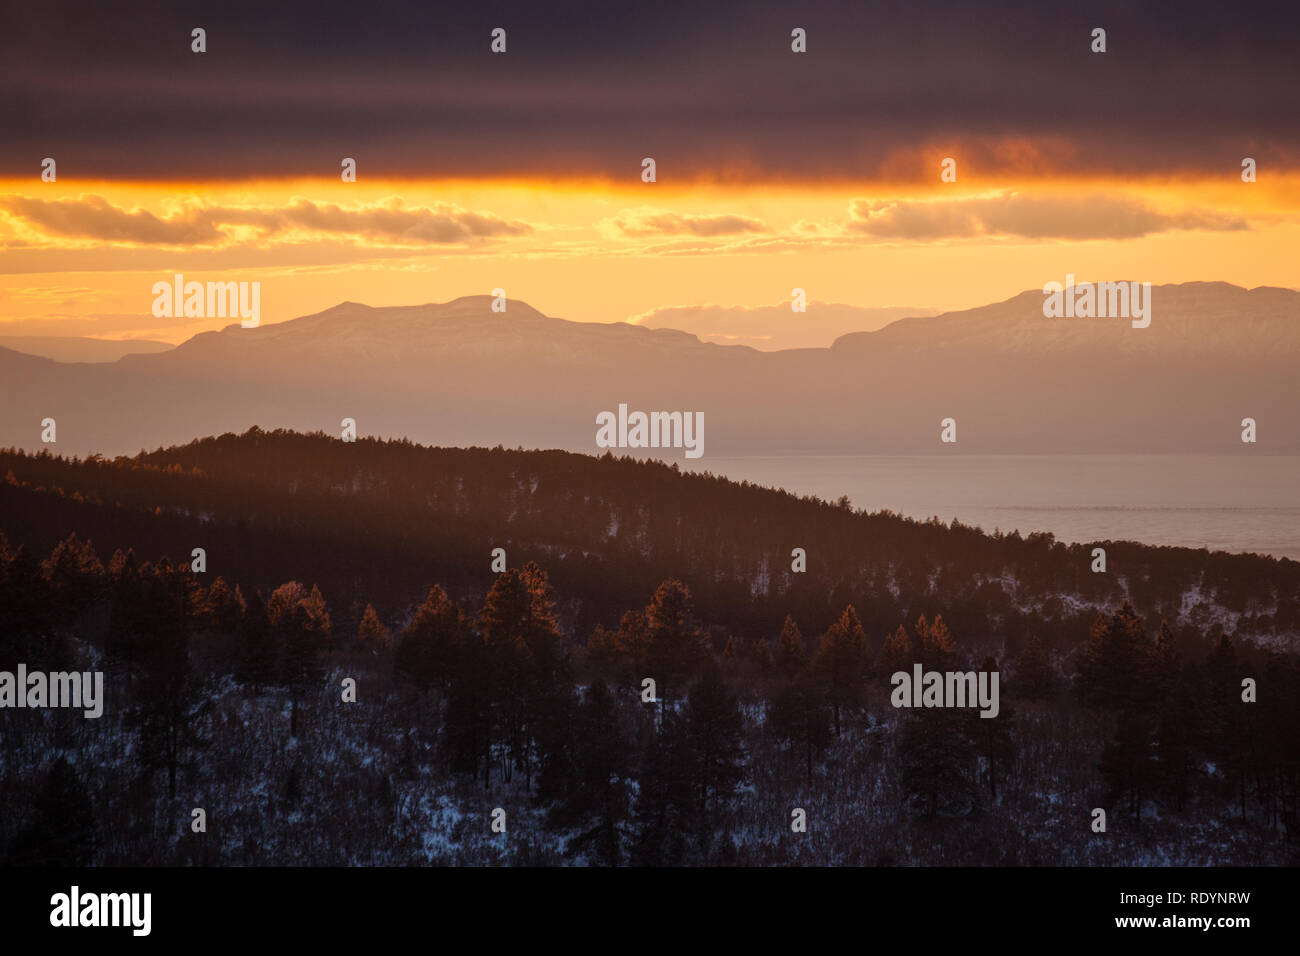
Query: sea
(1237,503)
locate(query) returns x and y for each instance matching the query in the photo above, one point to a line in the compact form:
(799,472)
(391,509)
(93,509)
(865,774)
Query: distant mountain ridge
(1194,317)
(79,348)
(457,373)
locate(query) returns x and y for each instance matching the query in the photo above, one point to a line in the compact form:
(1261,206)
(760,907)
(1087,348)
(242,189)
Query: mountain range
(72,348)
(457,373)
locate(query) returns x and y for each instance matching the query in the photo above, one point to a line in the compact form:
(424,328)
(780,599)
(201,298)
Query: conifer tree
(993,739)
(667,799)
(935,758)
(790,649)
(223,607)
(371,632)
(529,672)
(675,645)
(934,645)
(431,644)
(599,793)
(896,653)
(256,654)
(1128,761)
(715,727)
(300,622)
(1034,676)
(170,705)
(1117,658)
(26,607)
(840,665)
(799,716)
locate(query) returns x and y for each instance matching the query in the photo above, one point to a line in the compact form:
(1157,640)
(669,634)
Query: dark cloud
(394,221)
(710,90)
(1028,217)
(93,217)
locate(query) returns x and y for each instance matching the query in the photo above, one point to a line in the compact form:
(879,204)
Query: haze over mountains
(72,348)
(459,374)
(771,328)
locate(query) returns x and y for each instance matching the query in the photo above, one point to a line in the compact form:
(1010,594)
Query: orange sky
(80,258)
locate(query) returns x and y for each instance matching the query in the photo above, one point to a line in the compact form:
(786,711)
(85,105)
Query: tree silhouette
(840,664)
(791,651)
(799,716)
(431,644)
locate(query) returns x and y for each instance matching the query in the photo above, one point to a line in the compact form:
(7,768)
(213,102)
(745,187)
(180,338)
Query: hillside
(391,515)
(482,690)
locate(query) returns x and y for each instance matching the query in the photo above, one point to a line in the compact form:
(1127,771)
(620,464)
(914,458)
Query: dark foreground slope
(523,690)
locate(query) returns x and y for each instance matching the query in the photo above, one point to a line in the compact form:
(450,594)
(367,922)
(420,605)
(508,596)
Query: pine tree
(131,609)
(256,654)
(371,633)
(602,648)
(992,739)
(714,726)
(301,623)
(468,729)
(667,798)
(26,607)
(896,653)
(632,639)
(529,672)
(935,758)
(1117,660)
(799,716)
(1178,729)
(1034,677)
(224,607)
(1178,719)
(1128,761)
(431,644)
(503,622)
(75,576)
(791,650)
(675,646)
(170,706)
(935,644)
(1166,657)
(840,665)
(599,791)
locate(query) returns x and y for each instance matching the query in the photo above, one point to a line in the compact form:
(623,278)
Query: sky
(522,170)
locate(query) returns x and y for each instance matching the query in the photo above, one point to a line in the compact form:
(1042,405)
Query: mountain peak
(1187,317)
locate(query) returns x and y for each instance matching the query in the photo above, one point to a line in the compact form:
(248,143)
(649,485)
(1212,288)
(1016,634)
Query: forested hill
(341,676)
(377,521)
